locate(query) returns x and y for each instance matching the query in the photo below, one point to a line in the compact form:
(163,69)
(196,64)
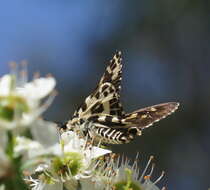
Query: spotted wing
(105,98)
(145,117)
(117,130)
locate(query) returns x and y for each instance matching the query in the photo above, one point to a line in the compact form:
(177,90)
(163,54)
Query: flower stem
(13,178)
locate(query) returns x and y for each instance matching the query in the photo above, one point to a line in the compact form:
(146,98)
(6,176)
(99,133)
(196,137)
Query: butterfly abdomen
(111,129)
(113,136)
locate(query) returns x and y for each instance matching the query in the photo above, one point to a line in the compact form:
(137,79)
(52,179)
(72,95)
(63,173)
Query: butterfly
(102,117)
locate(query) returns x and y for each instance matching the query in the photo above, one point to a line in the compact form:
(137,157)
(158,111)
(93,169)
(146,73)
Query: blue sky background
(165,47)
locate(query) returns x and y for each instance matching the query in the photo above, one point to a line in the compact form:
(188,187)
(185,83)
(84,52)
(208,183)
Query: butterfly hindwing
(141,118)
(145,117)
(122,129)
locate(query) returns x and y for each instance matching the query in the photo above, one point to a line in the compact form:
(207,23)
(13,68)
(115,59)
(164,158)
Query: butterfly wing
(145,117)
(105,98)
(122,129)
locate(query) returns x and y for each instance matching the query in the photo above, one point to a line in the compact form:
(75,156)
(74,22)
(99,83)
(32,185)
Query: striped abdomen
(110,135)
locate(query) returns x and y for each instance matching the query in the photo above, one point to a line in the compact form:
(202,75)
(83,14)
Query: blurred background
(165,46)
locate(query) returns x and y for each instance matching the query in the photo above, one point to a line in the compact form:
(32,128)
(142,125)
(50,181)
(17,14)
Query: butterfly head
(62,126)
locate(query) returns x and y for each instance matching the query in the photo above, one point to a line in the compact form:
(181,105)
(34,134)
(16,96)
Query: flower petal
(149,185)
(37,89)
(45,132)
(5,85)
(24,144)
(96,152)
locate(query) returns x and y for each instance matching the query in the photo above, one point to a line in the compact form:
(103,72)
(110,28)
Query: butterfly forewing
(105,98)
(103,112)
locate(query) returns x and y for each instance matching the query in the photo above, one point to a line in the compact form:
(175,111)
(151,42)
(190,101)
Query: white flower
(45,143)
(26,145)
(37,89)
(37,184)
(21,101)
(80,151)
(75,161)
(124,176)
(72,143)
(5,85)
(2,187)
(45,132)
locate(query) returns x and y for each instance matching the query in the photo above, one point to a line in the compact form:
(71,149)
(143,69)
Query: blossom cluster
(34,155)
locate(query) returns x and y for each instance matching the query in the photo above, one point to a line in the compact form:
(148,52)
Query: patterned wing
(105,98)
(145,117)
(117,130)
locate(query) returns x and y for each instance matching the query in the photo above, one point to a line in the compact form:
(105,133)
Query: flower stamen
(153,166)
(161,176)
(145,170)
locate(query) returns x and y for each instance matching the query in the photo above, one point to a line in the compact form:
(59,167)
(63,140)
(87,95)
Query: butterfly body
(101,116)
